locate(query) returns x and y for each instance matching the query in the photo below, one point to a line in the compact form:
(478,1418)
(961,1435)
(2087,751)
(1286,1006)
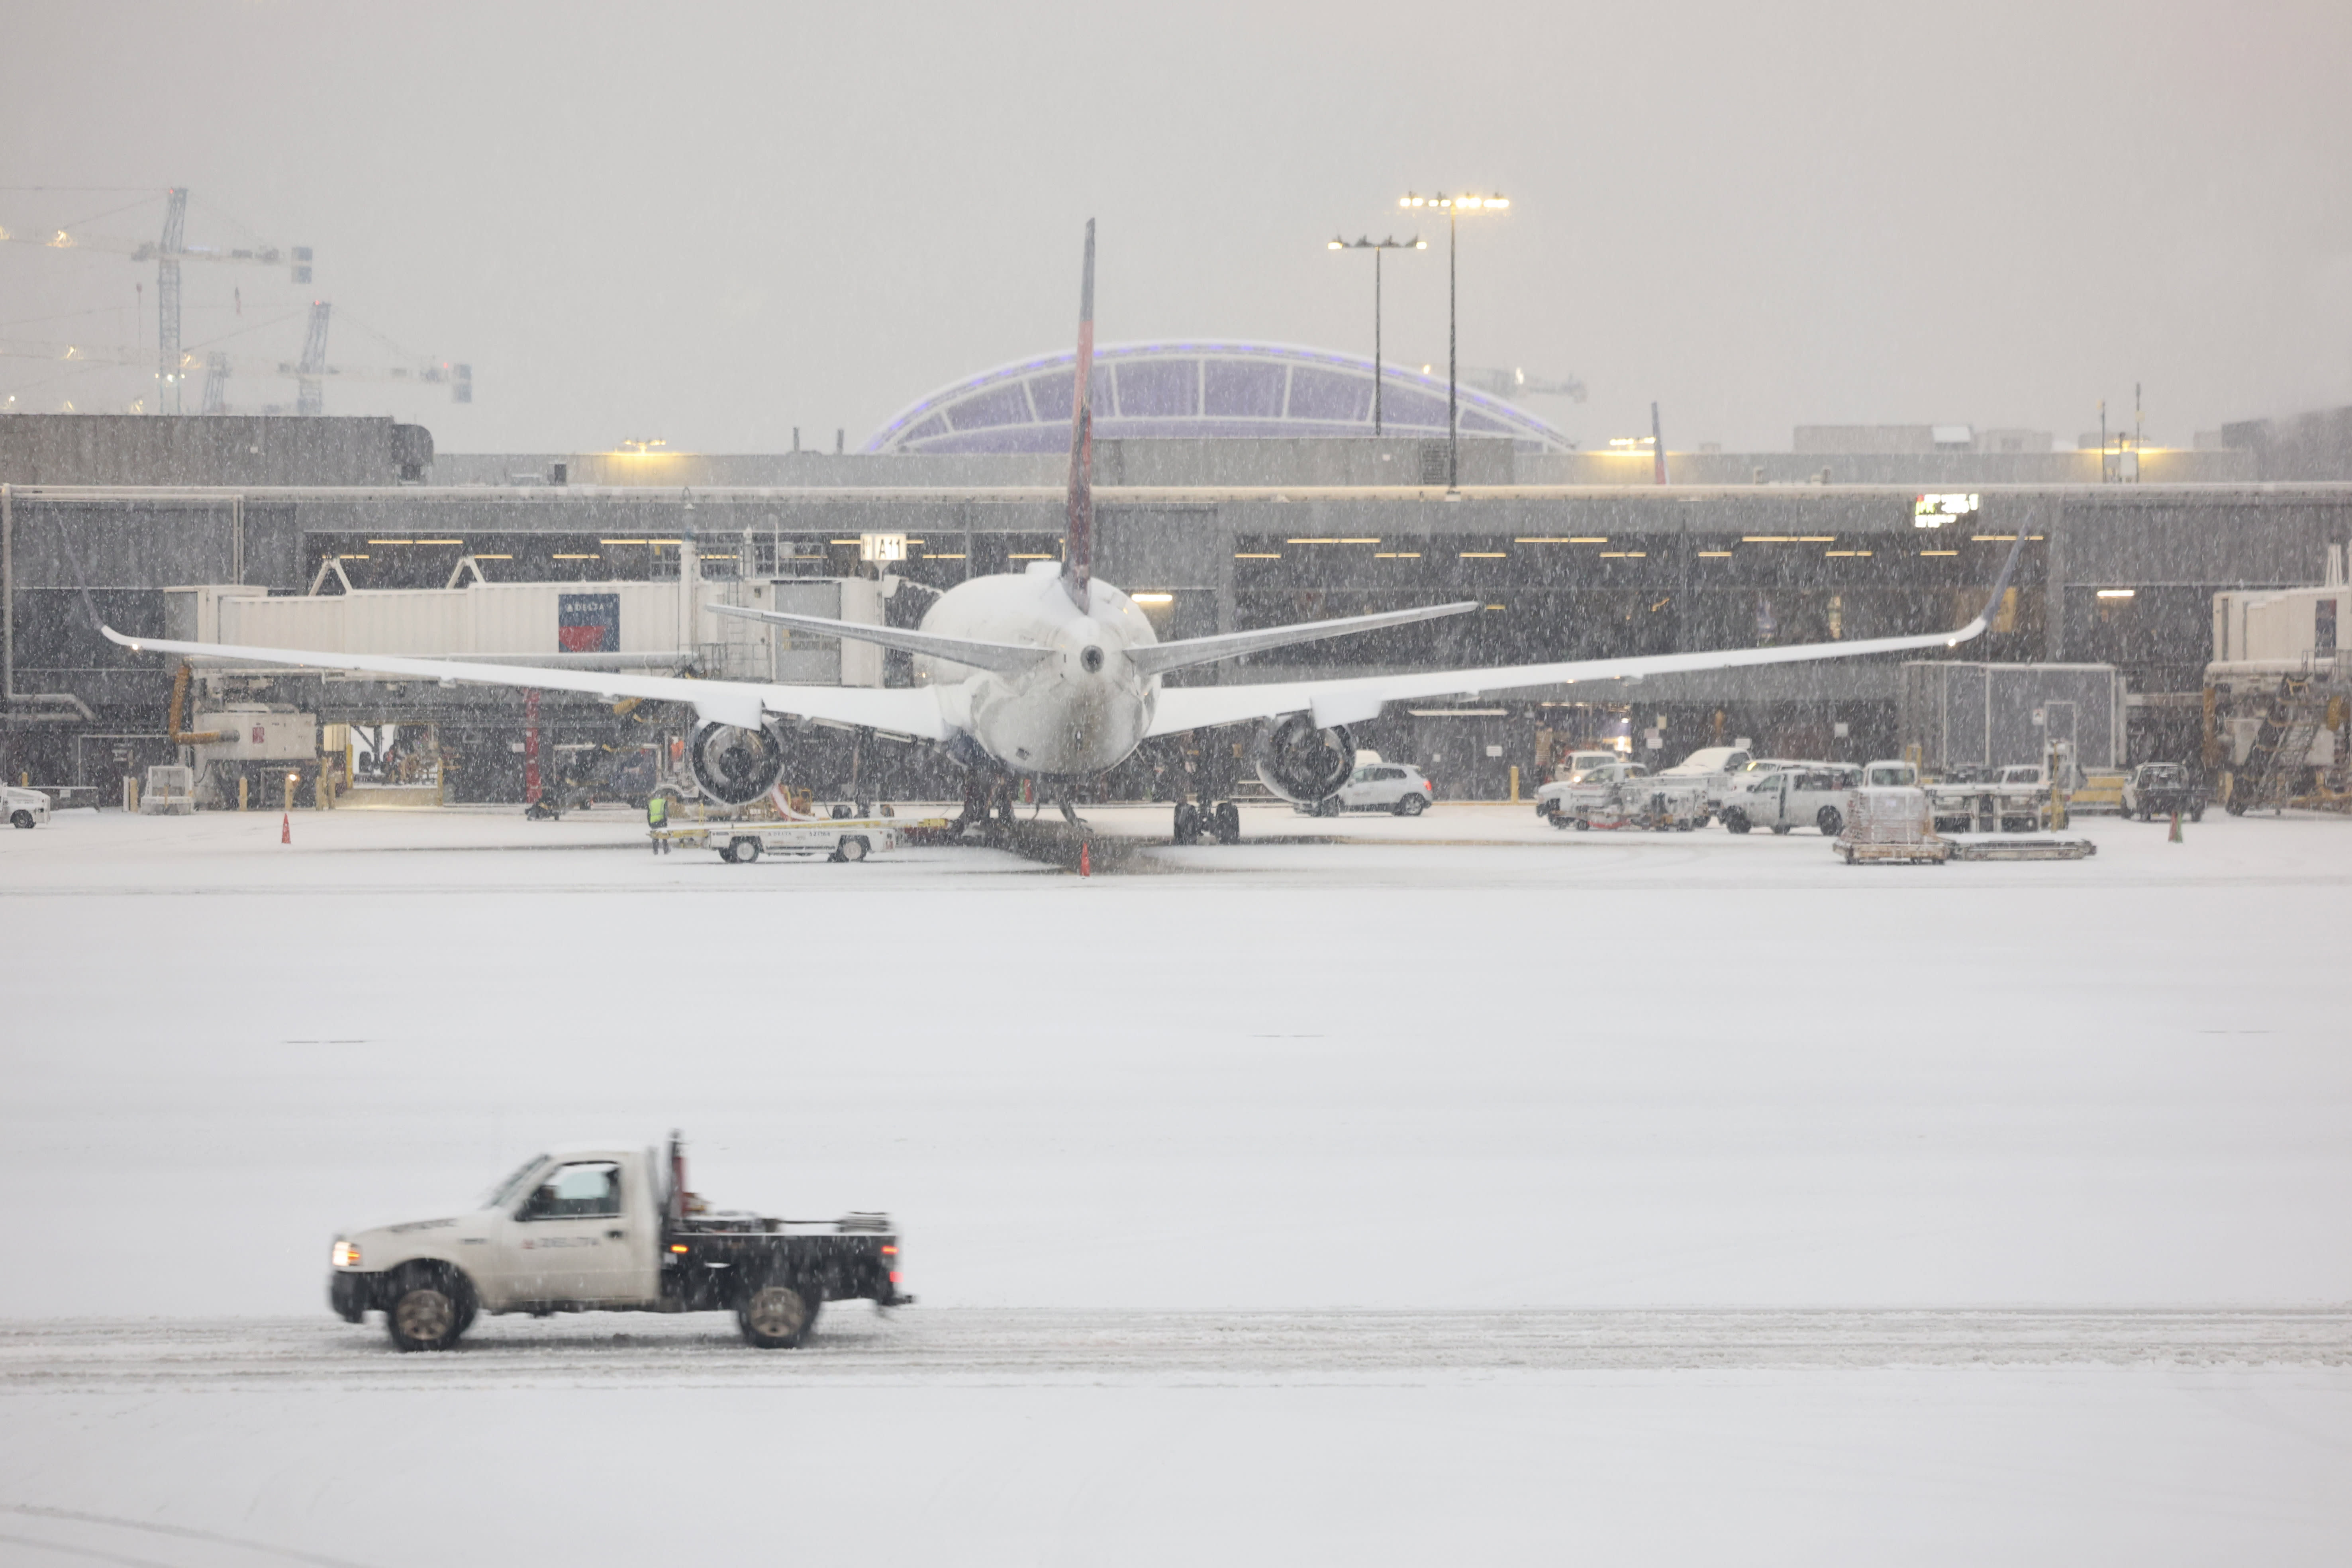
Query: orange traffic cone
(285,828)
(1086,859)
(2176,824)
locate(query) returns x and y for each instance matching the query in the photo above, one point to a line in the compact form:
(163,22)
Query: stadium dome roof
(1196,389)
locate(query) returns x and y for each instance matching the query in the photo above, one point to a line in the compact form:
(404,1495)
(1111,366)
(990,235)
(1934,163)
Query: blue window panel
(1473,420)
(1007,405)
(1327,394)
(1158,388)
(1051,393)
(1244,389)
(937,425)
(1402,405)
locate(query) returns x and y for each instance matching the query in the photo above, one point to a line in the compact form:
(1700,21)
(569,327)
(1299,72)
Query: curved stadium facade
(1197,389)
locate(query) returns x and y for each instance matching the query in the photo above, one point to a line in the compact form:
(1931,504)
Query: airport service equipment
(1715,767)
(170,791)
(610,1230)
(2013,799)
(741,842)
(1952,714)
(1889,823)
(1625,794)
(24,807)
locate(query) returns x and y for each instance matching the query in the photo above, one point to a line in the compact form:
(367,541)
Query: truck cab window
(586,1190)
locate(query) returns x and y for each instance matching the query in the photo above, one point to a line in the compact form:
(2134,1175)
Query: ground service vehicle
(1811,796)
(2161,789)
(610,1230)
(1715,767)
(1382,786)
(2012,799)
(1625,794)
(24,807)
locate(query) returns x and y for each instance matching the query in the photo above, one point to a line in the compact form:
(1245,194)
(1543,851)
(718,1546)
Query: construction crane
(307,371)
(167,251)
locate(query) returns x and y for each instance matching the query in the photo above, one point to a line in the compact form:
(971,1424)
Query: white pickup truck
(1806,795)
(609,1230)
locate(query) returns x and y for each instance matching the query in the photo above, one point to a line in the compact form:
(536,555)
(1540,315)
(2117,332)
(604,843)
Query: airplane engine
(736,767)
(1302,764)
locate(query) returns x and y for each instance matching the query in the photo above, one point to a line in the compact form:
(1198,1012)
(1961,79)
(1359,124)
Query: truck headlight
(347,1255)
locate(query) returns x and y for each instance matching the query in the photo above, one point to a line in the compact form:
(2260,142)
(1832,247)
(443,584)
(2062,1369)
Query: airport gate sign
(1933,511)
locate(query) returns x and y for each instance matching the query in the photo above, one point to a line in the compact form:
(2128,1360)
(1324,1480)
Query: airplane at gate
(1052,673)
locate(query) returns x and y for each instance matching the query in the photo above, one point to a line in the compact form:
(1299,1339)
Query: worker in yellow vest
(658,818)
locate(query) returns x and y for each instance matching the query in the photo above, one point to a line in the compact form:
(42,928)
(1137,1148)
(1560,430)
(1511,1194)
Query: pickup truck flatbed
(610,1230)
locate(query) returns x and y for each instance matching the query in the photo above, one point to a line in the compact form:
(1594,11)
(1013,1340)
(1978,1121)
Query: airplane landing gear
(1223,822)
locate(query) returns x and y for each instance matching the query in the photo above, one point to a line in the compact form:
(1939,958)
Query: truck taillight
(677,1246)
(894,1276)
(889,1250)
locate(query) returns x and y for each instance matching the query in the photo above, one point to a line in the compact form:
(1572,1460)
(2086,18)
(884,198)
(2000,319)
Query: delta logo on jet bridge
(588,622)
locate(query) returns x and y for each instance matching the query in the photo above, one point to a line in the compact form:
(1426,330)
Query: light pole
(1453,207)
(1376,247)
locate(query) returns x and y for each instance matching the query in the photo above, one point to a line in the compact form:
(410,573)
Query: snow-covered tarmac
(1395,1190)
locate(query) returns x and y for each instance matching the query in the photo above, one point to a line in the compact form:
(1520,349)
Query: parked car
(2160,789)
(25,807)
(1398,787)
(1810,794)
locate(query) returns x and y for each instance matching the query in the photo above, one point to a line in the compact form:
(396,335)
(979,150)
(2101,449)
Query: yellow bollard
(290,793)
(1515,784)
(241,785)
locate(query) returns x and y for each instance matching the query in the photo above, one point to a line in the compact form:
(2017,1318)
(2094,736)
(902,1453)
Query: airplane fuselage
(1082,710)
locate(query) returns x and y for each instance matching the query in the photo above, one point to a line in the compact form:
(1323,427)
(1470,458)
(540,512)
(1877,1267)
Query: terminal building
(1239,486)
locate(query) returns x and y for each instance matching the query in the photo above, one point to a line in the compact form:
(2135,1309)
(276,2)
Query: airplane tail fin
(1078,534)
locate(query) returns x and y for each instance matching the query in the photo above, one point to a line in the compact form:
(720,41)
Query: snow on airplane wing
(1355,699)
(912,711)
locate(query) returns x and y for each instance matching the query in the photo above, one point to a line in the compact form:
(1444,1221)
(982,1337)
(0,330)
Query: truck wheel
(1830,822)
(2196,814)
(1736,821)
(746,851)
(1226,821)
(776,1317)
(850,849)
(1411,806)
(1188,821)
(428,1310)
(1584,825)
(21,819)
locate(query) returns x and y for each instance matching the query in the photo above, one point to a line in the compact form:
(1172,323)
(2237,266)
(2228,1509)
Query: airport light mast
(1363,242)
(1453,207)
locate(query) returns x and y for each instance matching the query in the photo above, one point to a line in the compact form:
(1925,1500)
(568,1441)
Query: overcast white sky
(713,224)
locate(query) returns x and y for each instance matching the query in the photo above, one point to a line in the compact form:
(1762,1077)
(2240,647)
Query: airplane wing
(1007,658)
(1156,658)
(913,712)
(1358,699)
